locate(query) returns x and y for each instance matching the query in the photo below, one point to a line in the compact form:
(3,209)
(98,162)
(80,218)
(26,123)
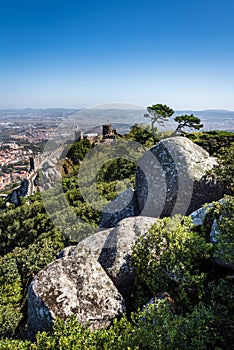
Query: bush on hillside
(169,258)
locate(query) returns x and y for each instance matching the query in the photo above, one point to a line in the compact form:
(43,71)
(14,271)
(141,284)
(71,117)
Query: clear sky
(73,53)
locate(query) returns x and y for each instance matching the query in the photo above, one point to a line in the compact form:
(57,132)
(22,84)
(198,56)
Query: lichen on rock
(73,285)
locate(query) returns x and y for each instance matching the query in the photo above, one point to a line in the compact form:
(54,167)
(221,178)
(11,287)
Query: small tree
(189,121)
(158,113)
(142,134)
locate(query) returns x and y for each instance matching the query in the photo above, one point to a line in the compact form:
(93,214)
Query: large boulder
(123,206)
(171,178)
(113,249)
(73,285)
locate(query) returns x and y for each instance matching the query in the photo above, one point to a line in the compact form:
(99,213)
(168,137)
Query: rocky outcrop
(73,285)
(49,173)
(171,178)
(123,206)
(17,193)
(92,279)
(112,248)
(88,280)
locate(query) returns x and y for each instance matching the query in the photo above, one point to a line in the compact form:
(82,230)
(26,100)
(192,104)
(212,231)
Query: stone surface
(199,217)
(66,252)
(171,178)
(91,246)
(17,193)
(50,173)
(123,206)
(72,286)
(113,248)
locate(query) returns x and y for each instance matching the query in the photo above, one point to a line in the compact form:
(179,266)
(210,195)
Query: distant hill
(213,119)
(117,114)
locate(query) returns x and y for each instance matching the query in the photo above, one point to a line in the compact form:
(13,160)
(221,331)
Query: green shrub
(223,213)
(9,344)
(22,225)
(169,258)
(215,142)
(78,150)
(10,296)
(155,328)
(225,170)
(143,134)
(17,269)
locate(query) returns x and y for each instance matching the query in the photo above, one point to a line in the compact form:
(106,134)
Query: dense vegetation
(225,170)
(173,257)
(215,142)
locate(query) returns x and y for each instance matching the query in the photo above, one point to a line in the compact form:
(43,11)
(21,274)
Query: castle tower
(32,164)
(78,135)
(106,130)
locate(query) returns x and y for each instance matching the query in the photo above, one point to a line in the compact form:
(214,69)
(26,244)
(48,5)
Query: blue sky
(76,53)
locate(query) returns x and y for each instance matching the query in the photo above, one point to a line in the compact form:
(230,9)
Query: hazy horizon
(112,108)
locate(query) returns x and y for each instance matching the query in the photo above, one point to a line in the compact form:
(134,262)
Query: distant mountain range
(125,115)
(209,113)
